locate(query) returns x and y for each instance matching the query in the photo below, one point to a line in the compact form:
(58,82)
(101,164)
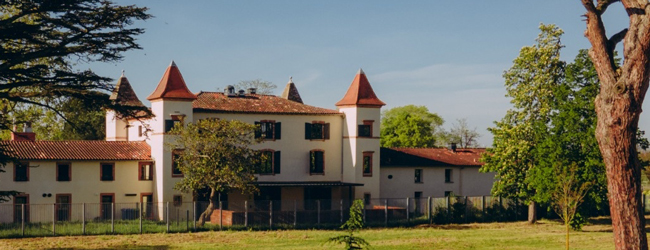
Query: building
(317,153)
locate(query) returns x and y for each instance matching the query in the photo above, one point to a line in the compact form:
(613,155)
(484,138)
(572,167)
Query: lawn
(512,235)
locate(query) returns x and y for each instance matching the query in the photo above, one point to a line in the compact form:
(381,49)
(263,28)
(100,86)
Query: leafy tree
(461,133)
(42,41)
(216,154)
(263,87)
(535,73)
(618,106)
(352,225)
(410,126)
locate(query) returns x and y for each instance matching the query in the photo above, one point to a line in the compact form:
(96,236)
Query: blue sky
(446,55)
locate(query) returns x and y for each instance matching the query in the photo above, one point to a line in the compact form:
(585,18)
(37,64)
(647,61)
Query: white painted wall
(467,181)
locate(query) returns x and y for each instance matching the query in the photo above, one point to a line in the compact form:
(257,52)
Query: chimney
(452,147)
(26,135)
(230,91)
(252,91)
(242,92)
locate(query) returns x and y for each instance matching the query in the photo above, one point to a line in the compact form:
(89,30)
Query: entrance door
(147,205)
(105,206)
(18,208)
(63,203)
(417,202)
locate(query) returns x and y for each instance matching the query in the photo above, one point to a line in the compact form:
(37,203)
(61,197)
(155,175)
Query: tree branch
(603,4)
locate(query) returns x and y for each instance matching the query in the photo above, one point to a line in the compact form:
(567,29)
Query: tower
(171,103)
(362,111)
(123,94)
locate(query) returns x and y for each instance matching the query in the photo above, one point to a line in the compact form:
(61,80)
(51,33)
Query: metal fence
(133,218)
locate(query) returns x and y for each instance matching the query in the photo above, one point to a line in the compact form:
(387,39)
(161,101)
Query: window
(365,130)
(63,172)
(145,172)
(176,171)
(270,162)
(448,176)
(178,200)
(367,163)
(317,162)
(19,200)
(418,176)
(366,198)
(21,171)
(269,130)
(176,119)
(317,131)
(107,171)
(140,130)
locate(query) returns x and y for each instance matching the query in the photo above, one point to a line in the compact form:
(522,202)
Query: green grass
(513,235)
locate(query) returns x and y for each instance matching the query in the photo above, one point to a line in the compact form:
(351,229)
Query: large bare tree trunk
(618,107)
(205,216)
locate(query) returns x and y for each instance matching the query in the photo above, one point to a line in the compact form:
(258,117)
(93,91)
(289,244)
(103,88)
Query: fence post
(447,203)
(483,208)
(141,206)
(194,214)
(178,216)
(466,209)
(246,213)
(318,212)
(220,215)
(54,219)
(429,209)
(341,210)
(271,215)
(112,217)
(408,209)
(167,215)
(364,212)
(295,213)
(187,220)
(386,212)
(22,220)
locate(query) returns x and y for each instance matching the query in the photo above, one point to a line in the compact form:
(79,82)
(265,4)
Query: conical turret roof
(172,86)
(291,92)
(360,93)
(123,93)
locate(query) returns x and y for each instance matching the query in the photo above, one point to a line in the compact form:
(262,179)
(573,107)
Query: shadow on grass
(446,226)
(160,247)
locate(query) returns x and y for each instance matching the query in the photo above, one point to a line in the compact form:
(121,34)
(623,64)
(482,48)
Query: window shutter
(278,130)
(258,130)
(326,131)
(307,131)
(276,162)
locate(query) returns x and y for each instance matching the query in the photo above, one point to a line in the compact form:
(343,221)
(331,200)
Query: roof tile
(217,102)
(360,93)
(77,150)
(431,157)
(172,86)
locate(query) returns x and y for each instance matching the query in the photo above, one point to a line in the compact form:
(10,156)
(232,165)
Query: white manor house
(133,165)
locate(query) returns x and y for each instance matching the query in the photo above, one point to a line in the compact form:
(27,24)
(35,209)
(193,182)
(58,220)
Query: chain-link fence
(18,220)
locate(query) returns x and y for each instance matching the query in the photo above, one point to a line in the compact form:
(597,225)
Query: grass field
(513,235)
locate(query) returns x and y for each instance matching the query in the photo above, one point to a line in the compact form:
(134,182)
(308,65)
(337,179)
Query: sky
(446,55)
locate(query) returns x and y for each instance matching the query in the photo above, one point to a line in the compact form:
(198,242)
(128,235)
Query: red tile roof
(77,150)
(217,102)
(124,94)
(431,157)
(172,86)
(360,93)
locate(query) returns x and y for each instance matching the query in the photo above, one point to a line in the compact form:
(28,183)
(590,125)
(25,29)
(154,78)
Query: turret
(362,111)
(117,128)
(291,92)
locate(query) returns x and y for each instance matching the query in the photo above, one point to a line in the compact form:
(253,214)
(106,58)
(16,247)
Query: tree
(410,126)
(618,106)
(41,42)
(352,225)
(568,195)
(461,133)
(263,87)
(529,82)
(215,154)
